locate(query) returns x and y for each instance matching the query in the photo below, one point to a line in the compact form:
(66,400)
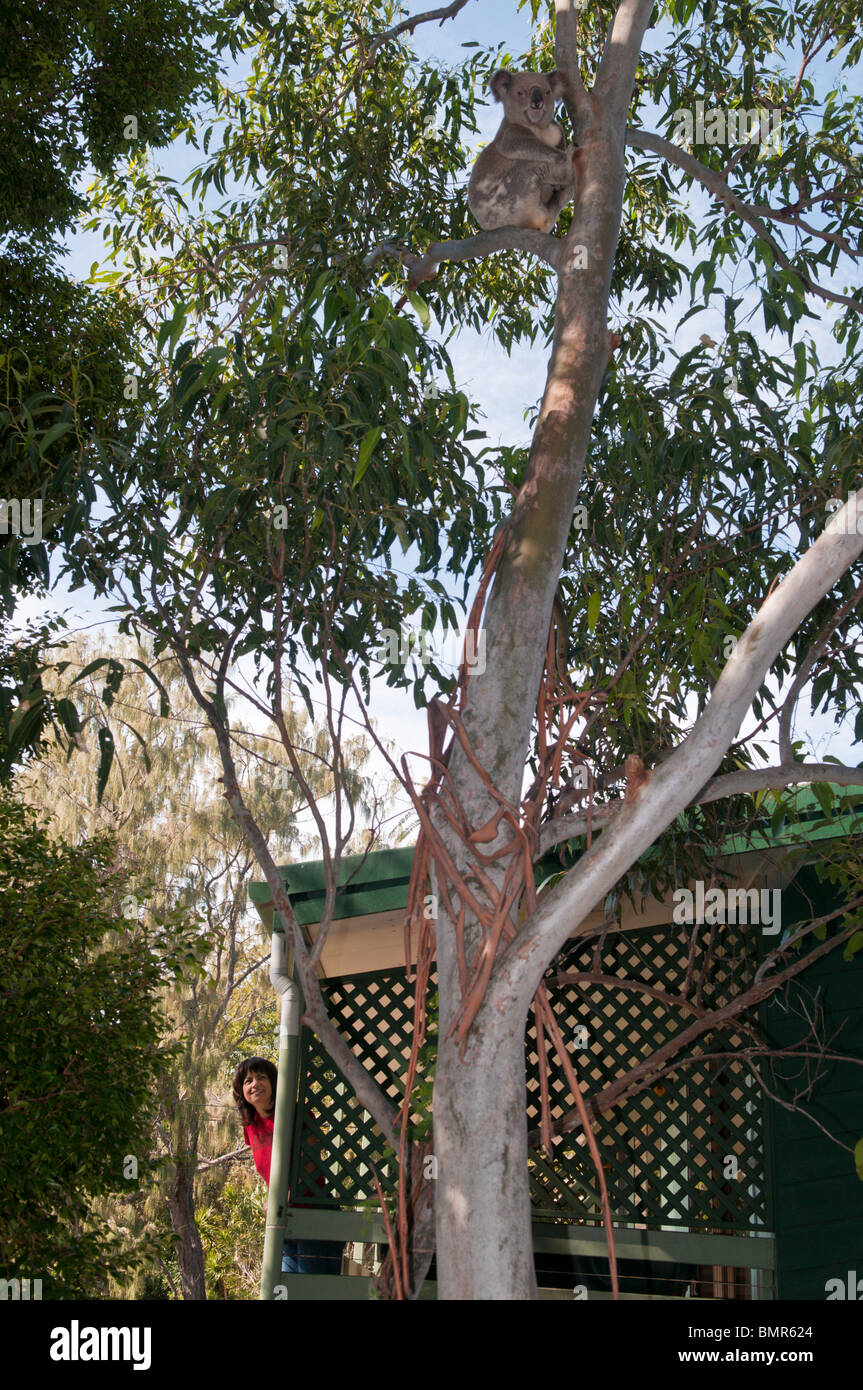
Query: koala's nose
(537,96)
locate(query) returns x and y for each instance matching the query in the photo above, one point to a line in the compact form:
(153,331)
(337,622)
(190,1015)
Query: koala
(526,175)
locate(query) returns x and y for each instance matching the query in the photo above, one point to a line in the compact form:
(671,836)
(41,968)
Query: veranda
(717,1192)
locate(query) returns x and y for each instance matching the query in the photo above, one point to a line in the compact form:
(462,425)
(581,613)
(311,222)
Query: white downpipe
(283,982)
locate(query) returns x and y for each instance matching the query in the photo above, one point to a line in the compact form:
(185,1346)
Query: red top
(259,1136)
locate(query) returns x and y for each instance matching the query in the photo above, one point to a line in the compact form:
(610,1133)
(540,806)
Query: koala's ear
(500,83)
(558,83)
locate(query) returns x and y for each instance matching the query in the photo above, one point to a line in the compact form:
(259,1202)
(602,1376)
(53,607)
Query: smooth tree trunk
(484,1242)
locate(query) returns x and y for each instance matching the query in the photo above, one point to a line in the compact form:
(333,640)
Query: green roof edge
(379,880)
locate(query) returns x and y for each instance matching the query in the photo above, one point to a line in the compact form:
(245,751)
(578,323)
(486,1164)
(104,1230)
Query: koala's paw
(558,172)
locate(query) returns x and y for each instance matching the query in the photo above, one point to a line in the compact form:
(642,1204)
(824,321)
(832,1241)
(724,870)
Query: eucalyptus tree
(679,538)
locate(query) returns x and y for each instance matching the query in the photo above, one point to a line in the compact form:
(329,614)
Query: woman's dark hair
(262,1067)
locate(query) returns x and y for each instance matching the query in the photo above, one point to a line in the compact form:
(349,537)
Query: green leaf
(170,331)
(106,758)
(367,447)
(68,716)
(62,427)
(401,531)
(164,702)
(825,797)
(858,1158)
(594,604)
(852,946)
(422,309)
(93,666)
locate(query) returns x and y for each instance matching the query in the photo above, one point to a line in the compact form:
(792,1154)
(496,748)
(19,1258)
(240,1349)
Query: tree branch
(366,1089)
(518,971)
(243,1152)
(616,74)
(752,216)
(407,26)
(812,49)
(377,41)
(795,1107)
(740,783)
(577,102)
(548,248)
(792,218)
(249,246)
(644,1074)
(674,1001)
(555,831)
(743,783)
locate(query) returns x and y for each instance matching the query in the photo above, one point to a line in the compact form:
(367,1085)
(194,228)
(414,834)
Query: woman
(254,1088)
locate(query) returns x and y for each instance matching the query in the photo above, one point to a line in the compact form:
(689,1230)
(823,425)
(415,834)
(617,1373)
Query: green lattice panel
(665,1154)
(667,1150)
(340,1140)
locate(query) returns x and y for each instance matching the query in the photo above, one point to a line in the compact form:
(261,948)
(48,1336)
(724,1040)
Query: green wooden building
(718,1191)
